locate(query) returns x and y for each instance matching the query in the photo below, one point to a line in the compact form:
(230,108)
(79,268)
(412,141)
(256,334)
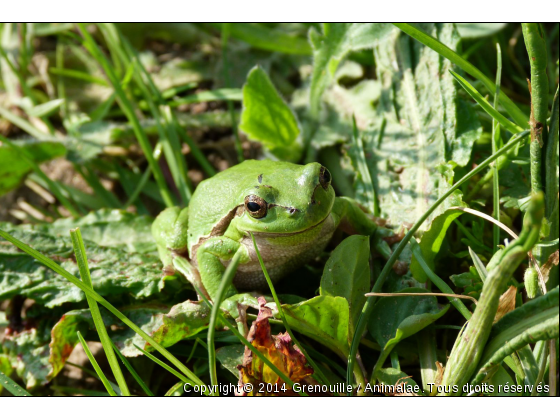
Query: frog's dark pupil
(252,206)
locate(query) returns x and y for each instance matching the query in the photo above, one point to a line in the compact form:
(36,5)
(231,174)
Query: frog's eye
(325,177)
(256,206)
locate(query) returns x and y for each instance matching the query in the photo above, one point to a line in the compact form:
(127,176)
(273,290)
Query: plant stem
(538,86)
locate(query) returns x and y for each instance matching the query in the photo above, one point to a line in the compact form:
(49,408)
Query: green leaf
(324,319)
(109,228)
(230,357)
(431,243)
(267,118)
(346,274)
(397,317)
(330,47)
(423,130)
(114,270)
(13,169)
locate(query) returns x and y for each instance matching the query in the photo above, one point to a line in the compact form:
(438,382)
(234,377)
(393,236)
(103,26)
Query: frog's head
(287,198)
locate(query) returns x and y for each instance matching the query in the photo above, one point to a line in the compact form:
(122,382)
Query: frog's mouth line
(291,233)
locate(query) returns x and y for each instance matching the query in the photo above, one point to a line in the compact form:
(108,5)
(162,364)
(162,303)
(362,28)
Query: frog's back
(216,199)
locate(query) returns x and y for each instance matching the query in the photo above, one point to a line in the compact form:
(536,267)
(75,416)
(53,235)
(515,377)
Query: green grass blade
(164,365)
(133,372)
(79,75)
(226,28)
(368,306)
(496,144)
(479,265)
(12,387)
(518,116)
(225,284)
(485,105)
(316,367)
(128,110)
(91,293)
(179,385)
(81,259)
(437,281)
(95,365)
(225,94)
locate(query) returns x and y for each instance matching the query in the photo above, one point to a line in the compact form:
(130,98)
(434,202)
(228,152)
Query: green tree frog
(290,209)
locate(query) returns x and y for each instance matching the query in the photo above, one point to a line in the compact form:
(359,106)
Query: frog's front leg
(210,257)
(349,216)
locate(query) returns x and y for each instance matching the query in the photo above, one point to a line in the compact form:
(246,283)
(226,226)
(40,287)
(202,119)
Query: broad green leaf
(114,271)
(267,118)
(534,321)
(395,318)
(324,319)
(431,243)
(28,354)
(108,228)
(230,357)
(479,30)
(13,169)
(330,47)
(346,274)
(428,128)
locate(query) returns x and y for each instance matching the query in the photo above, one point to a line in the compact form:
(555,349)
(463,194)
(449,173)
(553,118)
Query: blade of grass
(164,365)
(496,144)
(96,366)
(316,367)
(225,94)
(226,27)
(174,388)
(518,116)
(91,293)
(128,110)
(485,105)
(12,387)
(437,281)
(479,265)
(470,236)
(77,74)
(132,371)
(368,306)
(81,259)
(225,284)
